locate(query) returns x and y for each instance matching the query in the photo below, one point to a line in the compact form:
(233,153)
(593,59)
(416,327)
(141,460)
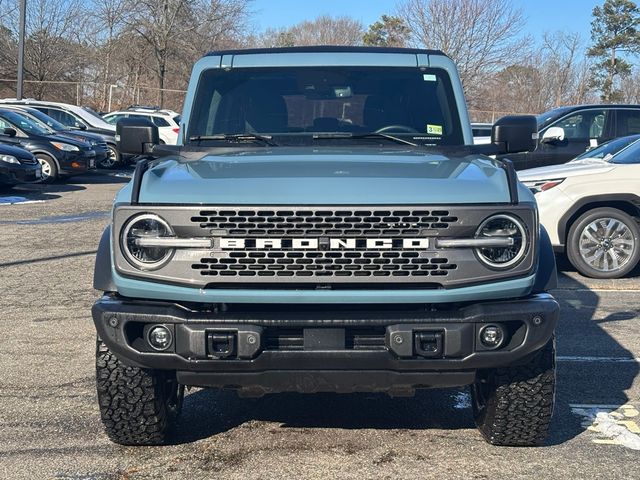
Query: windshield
(629,154)
(546,118)
(24,123)
(52,123)
(305,104)
(609,148)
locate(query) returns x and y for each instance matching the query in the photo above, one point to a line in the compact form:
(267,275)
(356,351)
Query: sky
(540,15)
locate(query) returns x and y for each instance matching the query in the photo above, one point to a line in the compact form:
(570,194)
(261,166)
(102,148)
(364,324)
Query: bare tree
(109,20)
(324,30)
(563,64)
(172,27)
(52,48)
(481,36)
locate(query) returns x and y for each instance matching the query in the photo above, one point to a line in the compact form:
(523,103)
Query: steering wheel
(395,128)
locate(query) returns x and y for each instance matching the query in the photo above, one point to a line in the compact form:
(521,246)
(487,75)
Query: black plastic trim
(512,179)
(546,274)
(141,167)
(538,313)
(102,279)
(325,48)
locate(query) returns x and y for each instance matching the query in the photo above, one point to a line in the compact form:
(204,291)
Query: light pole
(111,87)
(23,19)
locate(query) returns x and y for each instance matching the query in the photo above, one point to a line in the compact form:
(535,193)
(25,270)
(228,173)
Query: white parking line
(17,200)
(570,358)
(611,424)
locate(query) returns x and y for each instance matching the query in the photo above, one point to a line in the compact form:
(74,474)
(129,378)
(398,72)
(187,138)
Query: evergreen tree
(614,31)
(389,31)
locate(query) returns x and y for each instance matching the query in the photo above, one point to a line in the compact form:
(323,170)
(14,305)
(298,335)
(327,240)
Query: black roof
(325,48)
(597,105)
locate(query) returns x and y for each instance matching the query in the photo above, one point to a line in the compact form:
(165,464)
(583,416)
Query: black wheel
(604,243)
(137,406)
(513,406)
(113,158)
(49,168)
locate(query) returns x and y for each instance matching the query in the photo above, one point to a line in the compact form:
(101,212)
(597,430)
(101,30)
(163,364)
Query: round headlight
(502,227)
(150,226)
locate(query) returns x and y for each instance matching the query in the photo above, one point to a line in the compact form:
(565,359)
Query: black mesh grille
(365,222)
(325,264)
(28,161)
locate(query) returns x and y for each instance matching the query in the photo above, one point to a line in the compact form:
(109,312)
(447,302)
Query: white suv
(167,121)
(591,207)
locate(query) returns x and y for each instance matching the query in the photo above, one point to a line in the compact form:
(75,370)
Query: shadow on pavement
(582,379)
(209,412)
(101,177)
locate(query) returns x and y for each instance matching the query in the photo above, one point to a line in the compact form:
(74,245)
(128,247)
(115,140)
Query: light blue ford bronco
(325,224)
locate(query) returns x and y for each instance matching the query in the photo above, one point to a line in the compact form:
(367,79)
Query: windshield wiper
(236,137)
(332,136)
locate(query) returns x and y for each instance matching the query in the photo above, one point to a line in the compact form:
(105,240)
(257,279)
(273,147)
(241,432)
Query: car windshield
(310,104)
(52,123)
(607,150)
(546,118)
(629,154)
(24,123)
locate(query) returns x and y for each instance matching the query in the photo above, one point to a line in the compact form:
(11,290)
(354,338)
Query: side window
(113,119)
(64,118)
(160,122)
(585,125)
(4,124)
(628,122)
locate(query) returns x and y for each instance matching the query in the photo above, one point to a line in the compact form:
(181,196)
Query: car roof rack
(152,108)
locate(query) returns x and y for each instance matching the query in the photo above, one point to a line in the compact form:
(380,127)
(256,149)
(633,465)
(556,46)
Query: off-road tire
(573,239)
(138,406)
(513,406)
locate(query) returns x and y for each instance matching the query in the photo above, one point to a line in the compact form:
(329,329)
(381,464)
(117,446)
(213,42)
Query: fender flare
(546,274)
(48,154)
(102,279)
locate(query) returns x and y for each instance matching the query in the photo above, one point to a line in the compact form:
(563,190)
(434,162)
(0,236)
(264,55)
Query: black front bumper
(74,163)
(13,174)
(325,348)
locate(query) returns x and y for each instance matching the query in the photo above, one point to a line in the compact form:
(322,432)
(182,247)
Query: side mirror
(553,135)
(136,136)
(81,126)
(10,132)
(515,134)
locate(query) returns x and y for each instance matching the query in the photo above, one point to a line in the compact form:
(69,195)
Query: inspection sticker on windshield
(429,77)
(434,129)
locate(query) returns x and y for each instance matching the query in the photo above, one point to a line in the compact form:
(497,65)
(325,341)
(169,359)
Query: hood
(80,135)
(283,175)
(56,137)
(586,166)
(14,151)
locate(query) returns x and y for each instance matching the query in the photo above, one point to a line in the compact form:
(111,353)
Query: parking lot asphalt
(50,425)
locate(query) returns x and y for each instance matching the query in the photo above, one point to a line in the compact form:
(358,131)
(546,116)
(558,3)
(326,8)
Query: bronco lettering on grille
(324,243)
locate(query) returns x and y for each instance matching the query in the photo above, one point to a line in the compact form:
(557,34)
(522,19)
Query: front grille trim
(459,266)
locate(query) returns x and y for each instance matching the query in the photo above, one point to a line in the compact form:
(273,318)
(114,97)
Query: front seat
(266,113)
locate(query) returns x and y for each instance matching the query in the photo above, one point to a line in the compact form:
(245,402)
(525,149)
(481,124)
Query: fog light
(492,336)
(159,337)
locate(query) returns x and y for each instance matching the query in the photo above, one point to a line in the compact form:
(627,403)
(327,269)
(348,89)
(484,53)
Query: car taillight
(176,130)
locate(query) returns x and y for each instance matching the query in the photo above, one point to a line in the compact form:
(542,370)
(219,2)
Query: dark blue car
(18,166)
